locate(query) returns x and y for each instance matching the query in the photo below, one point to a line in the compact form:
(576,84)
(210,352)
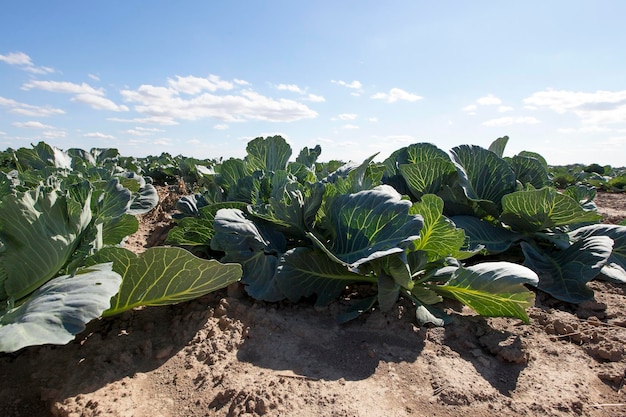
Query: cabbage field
(471,225)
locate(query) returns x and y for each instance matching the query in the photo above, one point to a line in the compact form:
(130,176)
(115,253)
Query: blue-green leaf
(370,224)
(484,176)
(303,272)
(493,289)
(615,268)
(564,274)
(257,247)
(39,230)
(59,309)
(482,234)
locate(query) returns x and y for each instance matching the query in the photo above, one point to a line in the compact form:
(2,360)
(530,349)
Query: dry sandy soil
(228,355)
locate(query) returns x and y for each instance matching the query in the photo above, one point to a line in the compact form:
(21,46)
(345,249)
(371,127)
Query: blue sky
(202,78)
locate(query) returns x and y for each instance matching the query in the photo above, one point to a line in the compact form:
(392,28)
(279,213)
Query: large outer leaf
(533,210)
(257,247)
(530,171)
(615,268)
(439,237)
(428,177)
(370,224)
(41,156)
(493,289)
(270,154)
(303,272)
(416,153)
(498,145)
(484,234)
(163,275)
(39,230)
(484,176)
(564,274)
(59,309)
(198,231)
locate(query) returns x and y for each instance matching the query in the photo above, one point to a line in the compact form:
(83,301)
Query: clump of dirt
(228,355)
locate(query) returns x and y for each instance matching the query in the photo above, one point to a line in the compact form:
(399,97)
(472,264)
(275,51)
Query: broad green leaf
(493,289)
(198,231)
(267,154)
(117,229)
(39,230)
(59,309)
(388,292)
(428,177)
(41,156)
(584,194)
(439,237)
(564,274)
(498,145)
(304,272)
(370,224)
(534,210)
(485,177)
(395,266)
(529,171)
(162,276)
(257,247)
(413,154)
(615,268)
(308,156)
(482,234)
(231,171)
(111,200)
(537,156)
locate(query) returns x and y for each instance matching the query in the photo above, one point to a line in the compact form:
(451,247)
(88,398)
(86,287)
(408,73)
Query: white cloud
(32,125)
(3,133)
(99,102)
(29,109)
(470,108)
(350,126)
(24,61)
(504,109)
(221,126)
(63,87)
(508,121)
(585,129)
(599,107)
(346,116)
(166,103)
(93,77)
(194,85)
(396,94)
(290,87)
(98,135)
(240,82)
(315,98)
(155,120)
(355,85)
(54,134)
(488,100)
(373,119)
(83,93)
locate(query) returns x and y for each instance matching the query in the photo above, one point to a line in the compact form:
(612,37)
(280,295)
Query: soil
(228,355)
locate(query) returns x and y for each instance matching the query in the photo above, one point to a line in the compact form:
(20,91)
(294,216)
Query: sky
(202,78)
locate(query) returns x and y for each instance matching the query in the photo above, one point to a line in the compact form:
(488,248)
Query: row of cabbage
(64,217)
(424,224)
